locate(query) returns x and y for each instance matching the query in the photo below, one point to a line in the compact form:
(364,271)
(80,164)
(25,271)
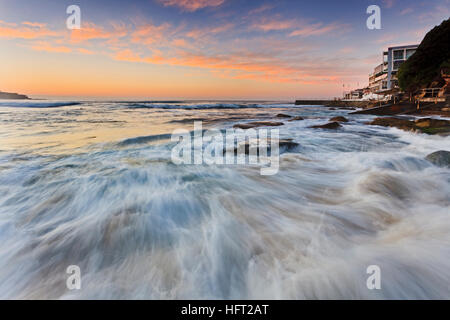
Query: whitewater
(92,184)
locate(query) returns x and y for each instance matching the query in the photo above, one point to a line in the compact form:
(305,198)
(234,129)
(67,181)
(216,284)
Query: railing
(429,95)
(430,92)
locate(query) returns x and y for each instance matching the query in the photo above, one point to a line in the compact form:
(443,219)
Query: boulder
(399,123)
(426,125)
(439,158)
(339,119)
(297,119)
(282,115)
(257,124)
(283,144)
(431,123)
(330,126)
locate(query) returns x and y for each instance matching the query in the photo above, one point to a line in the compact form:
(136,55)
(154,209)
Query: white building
(384,76)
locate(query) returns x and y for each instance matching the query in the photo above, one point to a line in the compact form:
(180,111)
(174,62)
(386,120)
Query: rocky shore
(426,125)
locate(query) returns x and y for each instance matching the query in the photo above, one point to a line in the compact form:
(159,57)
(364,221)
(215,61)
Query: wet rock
(330,126)
(403,124)
(429,123)
(283,144)
(440,158)
(297,119)
(426,125)
(339,119)
(257,124)
(288,144)
(282,115)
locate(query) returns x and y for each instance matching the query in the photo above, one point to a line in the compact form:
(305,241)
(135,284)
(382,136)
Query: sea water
(92,184)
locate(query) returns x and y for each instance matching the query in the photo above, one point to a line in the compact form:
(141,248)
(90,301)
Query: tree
(424,66)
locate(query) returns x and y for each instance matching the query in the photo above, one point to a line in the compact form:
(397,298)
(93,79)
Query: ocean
(92,184)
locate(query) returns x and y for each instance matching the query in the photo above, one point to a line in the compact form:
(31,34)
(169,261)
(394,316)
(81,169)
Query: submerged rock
(297,119)
(426,125)
(339,119)
(257,124)
(330,126)
(282,115)
(283,144)
(440,158)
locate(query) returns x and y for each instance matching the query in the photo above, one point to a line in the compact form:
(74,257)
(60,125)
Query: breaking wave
(34,104)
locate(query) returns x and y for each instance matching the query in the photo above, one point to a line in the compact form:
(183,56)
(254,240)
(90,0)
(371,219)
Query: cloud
(198,33)
(25,30)
(299,28)
(90,31)
(192,5)
(317,29)
(267,24)
(435,14)
(259,58)
(45,46)
(260,9)
(389,3)
(406,11)
(149,33)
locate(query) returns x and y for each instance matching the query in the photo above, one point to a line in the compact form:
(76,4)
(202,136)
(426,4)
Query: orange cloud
(90,31)
(26,30)
(192,5)
(316,29)
(44,46)
(201,33)
(149,33)
(266,59)
(273,25)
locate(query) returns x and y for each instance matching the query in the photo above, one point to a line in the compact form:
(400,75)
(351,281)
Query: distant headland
(9,95)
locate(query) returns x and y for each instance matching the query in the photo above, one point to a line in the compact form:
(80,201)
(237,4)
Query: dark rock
(403,124)
(10,95)
(339,119)
(427,125)
(287,143)
(440,158)
(257,124)
(297,119)
(331,126)
(283,144)
(282,115)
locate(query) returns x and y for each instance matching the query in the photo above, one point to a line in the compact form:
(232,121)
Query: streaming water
(92,184)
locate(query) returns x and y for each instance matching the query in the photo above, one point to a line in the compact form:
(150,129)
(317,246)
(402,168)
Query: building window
(384,85)
(398,55)
(409,53)
(397,65)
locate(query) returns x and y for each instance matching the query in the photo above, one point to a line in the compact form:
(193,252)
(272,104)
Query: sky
(202,49)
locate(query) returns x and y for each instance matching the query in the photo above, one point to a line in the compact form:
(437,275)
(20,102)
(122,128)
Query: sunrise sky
(202,49)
